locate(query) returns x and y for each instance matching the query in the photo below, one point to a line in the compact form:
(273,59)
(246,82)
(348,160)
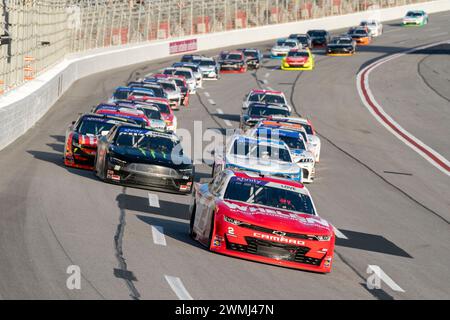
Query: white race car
(374,26)
(264,156)
(313,141)
(296,143)
(283,46)
(415,18)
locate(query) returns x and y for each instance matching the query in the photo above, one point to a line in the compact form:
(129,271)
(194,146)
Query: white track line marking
(381,276)
(161,217)
(339,234)
(362,83)
(178,287)
(227,122)
(153,200)
(267,75)
(265,81)
(212,102)
(207,94)
(158,235)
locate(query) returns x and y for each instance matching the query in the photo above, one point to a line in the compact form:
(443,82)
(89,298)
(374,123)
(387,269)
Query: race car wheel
(191,222)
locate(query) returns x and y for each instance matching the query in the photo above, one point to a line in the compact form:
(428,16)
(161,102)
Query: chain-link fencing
(36,34)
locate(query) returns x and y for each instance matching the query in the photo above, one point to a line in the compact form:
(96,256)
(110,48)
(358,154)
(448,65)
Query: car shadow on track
(57,159)
(230,117)
(166,209)
(371,242)
(172,229)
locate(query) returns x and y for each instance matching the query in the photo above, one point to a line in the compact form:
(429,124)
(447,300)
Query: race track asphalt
(392,205)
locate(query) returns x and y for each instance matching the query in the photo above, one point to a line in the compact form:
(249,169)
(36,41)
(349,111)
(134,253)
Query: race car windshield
(317,33)
(290,44)
(308,129)
(360,32)
(292,141)
(341,41)
(168,86)
(251,54)
(163,108)
(298,54)
(267,98)
(273,195)
(233,57)
(207,63)
(179,82)
(152,114)
(144,141)
(93,127)
(414,14)
(266,111)
(185,74)
(121,94)
(261,151)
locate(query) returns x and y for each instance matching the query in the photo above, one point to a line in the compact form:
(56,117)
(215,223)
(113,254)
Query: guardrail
(37,34)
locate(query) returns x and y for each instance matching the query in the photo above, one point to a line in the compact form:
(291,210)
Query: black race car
(232,62)
(319,38)
(134,155)
(253,56)
(258,111)
(80,145)
(303,38)
(342,45)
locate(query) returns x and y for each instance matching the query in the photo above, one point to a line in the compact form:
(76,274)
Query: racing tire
(210,240)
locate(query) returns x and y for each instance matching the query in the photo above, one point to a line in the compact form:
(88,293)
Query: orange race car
(361,36)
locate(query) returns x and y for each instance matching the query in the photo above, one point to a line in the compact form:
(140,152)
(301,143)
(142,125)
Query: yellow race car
(298,59)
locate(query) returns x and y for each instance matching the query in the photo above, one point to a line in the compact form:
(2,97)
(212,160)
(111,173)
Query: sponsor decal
(276,238)
(115,177)
(183,46)
(183,187)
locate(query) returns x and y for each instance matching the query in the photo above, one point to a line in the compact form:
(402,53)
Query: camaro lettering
(280,239)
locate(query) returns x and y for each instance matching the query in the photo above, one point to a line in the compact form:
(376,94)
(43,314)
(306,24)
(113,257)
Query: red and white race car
(261,218)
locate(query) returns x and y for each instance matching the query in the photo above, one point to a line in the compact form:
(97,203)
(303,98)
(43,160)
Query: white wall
(21,108)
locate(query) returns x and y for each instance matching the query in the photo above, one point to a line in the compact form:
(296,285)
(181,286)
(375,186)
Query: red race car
(261,218)
(81,138)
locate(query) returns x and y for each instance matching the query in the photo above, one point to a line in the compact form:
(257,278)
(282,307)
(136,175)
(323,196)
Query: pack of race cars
(256,206)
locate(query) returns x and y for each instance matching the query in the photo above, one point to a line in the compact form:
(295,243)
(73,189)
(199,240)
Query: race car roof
(102,118)
(133,129)
(263,141)
(282,132)
(279,124)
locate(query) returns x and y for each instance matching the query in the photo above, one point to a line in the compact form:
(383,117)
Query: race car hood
(281,48)
(301,153)
(331,46)
(228,61)
(157,124)
(296,59)
(261,165)
(146,156)
(275,218)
